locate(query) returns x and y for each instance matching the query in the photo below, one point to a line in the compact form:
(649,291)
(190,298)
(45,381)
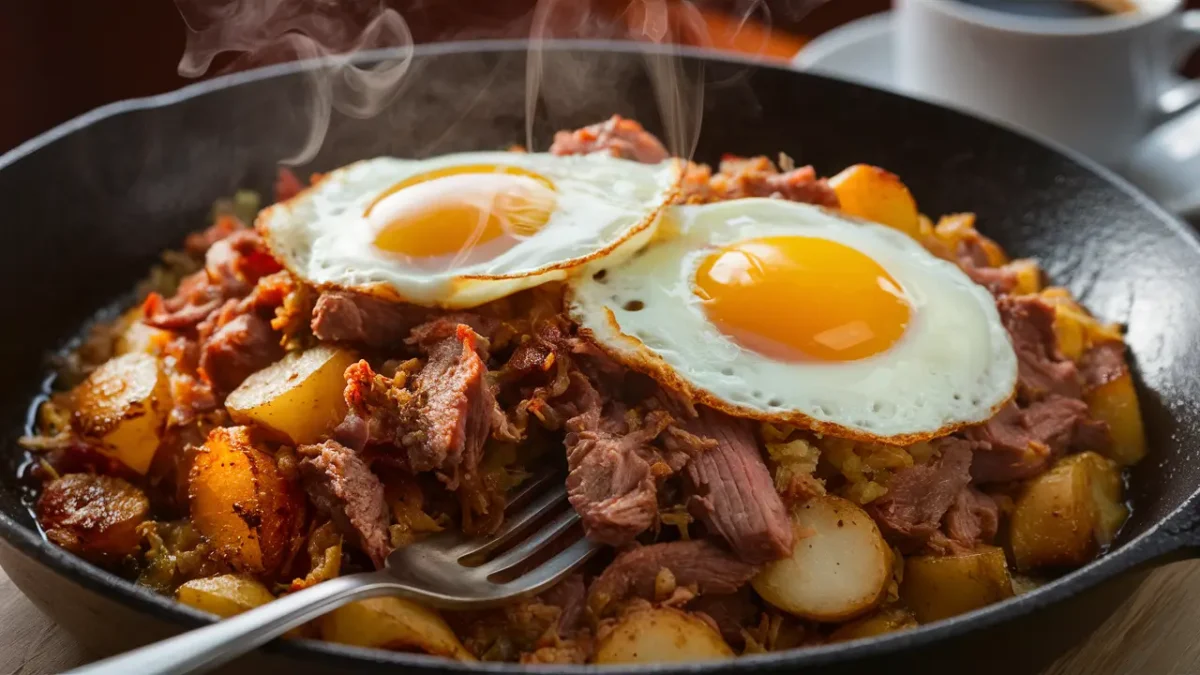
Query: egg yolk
(802,299)
(484,208)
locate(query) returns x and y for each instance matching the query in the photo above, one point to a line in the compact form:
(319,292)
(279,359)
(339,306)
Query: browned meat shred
(731,489)
(340,316)
(740,177)
(1020,443)
(697,563)
(613,469)
(1042,369)
(237,349)
(911,511)
(617,136)
(972,519)
(342,486)
(1102,364)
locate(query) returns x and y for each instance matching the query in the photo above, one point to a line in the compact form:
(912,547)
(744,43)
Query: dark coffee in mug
(1056,9)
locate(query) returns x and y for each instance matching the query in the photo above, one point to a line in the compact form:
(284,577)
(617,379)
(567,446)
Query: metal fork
(431,571)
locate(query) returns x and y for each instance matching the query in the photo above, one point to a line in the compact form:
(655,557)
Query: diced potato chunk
(1075,330)
(1029,276)
(886,620)
(874,194)
(392,623)
(299,397)
(225,595)
(661,635)
(123,406)
(239,500)
(1116,402)
(137,336)
(839,568)
(1064,516)
(937,587)
(95,517)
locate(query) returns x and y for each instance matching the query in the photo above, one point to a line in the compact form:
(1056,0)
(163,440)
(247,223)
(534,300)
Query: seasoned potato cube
(940,586)
(1065,515)
(956,229)
(661,635)
(299,397)
(392,623)
(239,500)
(122,406)
(886,620)
(1116,402)
(225,595)
(839,568)
(1029,276)
(94,517)
(874,194)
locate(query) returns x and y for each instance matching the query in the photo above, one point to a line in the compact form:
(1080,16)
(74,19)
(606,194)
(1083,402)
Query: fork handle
(205,648)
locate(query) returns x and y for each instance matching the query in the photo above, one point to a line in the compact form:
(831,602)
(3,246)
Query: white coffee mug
(1096,84)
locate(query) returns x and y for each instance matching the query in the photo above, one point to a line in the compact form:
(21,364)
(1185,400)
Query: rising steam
(257,32)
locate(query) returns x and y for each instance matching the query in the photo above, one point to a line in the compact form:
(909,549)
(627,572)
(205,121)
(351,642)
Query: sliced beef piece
(240,347)
(236,262)
(616,136)
(612,469)
(1041,368)
(1019,443)
(194,300)
(972,519)
(453,409)
(919,496)
(427,335)
(731,490)
(339,316)
(697,563)
(1102,364)
(342,486)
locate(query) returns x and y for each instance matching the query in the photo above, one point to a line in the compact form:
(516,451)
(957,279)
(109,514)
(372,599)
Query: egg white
(953,366)
(606,208)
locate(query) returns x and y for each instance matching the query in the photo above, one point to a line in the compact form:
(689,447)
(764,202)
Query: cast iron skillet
(88,206)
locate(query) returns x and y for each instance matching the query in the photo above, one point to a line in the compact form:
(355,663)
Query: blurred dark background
(60,59)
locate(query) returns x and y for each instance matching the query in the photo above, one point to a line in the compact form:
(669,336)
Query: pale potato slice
(299,397)
(225,596)
(392,623)
(886,620)
(123,405)
(1064,516)
(937,587)
(873,194)
(839,568)
(661,635)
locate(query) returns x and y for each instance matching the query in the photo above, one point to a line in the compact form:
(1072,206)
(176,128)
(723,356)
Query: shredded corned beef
(1042,369)
(616,136)
(342,486)
(699,564)
(972,519)
(341,316)
(911,511)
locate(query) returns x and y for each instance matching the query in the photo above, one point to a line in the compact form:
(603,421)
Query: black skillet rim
(1169,535)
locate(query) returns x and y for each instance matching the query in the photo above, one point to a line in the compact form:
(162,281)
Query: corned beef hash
(796,409)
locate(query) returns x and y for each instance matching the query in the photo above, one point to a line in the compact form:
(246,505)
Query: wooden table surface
(1153,633)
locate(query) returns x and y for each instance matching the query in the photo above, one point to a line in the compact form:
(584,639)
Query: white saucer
(860,51)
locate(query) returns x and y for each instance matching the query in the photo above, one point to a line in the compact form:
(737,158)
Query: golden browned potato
(661,635)
(241,503)
(392,623)
(1074,329)
(940,586)
(886,620)
(871,193)
(299,397)
(94,517)
(1064,516)
(839,568)
(1116,402)
(225,595)
(1029,276)
(136,336)
(123,405)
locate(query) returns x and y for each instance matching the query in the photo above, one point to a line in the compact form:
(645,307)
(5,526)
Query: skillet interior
(89,208)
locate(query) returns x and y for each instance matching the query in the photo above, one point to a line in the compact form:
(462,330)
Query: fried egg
(786,312)
(459,230)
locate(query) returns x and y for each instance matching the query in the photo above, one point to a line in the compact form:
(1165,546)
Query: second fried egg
(459,230)
(786,312)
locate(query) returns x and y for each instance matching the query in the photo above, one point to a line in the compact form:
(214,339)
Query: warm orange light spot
(802,298)
(457,209)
